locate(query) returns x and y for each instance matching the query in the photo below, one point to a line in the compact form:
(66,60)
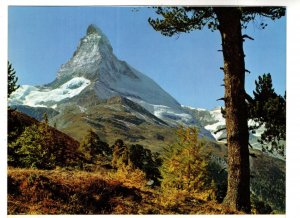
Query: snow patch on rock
(37,97)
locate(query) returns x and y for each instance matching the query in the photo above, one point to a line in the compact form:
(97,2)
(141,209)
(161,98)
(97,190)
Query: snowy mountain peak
(93,29)
(93,49)
(107,77)
(94,32)
(94,60)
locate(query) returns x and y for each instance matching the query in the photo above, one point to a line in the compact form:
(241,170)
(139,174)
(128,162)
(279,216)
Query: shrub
(130,175)
(259,206)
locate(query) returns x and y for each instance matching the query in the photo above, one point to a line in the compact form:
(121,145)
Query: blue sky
(41,39)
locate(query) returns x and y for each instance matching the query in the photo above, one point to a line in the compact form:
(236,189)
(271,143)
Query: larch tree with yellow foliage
(184,166)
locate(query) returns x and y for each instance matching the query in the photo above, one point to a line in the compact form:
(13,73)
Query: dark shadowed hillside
(18,121)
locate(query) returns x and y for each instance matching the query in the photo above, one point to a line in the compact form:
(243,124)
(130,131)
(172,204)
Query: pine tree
(229,21)
(268,109)
(92,146)
(12,80)
(263,92)
(146,161)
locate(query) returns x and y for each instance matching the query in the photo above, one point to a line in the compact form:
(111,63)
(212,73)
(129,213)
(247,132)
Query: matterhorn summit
(94,60)
(92,49)
(98,72)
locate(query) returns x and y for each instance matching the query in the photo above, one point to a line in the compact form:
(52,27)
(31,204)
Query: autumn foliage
(185,169)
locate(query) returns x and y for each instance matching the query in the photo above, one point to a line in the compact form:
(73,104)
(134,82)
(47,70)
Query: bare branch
(223,138)
(246,36)
(252,155)
(219,130)
(221,99)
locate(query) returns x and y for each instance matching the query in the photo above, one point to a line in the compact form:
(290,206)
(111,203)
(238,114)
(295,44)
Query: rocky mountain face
(94,66)
(94,60)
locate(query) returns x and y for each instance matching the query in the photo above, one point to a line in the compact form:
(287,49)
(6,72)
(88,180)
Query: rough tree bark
(238,191)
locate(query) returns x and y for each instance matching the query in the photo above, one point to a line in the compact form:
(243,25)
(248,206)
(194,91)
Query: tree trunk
(238,191)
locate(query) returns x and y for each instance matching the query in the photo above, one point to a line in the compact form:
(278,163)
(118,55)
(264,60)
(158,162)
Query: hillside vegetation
(51,173)
(32,191)
(114,119)
(26,135)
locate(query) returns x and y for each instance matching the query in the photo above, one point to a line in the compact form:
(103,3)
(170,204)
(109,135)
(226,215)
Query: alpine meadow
(117,125)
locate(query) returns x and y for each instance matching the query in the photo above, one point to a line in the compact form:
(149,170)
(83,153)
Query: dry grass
(64,192)
(60,191)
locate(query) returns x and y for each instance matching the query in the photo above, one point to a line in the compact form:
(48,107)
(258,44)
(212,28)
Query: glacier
(37,97)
